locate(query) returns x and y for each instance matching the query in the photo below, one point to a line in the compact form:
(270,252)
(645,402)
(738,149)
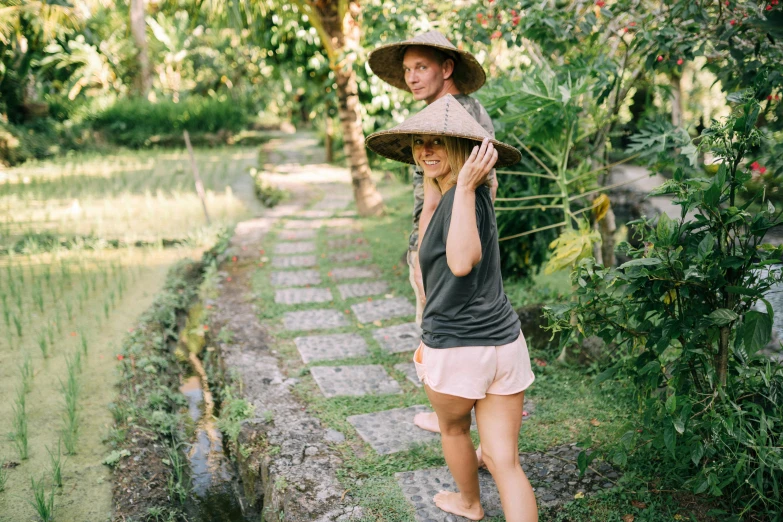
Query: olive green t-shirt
(465,311)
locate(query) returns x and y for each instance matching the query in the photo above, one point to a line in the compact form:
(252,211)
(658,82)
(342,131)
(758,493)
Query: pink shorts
(471,372)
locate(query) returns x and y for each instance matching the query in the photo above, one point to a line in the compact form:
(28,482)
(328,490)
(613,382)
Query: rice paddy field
(85,243)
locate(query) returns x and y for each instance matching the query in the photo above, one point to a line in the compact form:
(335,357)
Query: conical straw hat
(386,62)
(444,117)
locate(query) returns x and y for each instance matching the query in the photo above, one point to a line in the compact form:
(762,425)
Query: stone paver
(294,261)
(553,474)
(296,278)
(296,235)
(409,369)
(399,338)
(293,296)
(298,224)
(299,247)
(342,231)
(314,214)
(314,320)
(383,309)
(330,347)
(354,380)
(391,431)
(353,272)
(335,244)
(362,289)
(334,202)
(345,257)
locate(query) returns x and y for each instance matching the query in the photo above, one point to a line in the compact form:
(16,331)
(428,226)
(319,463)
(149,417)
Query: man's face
(423,74)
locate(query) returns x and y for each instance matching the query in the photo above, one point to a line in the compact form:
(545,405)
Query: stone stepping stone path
(294,296)
(296,224)
(353,272)
(299,247)
(336,244)
(342,231)
(296,235)
(399,338)
(354,381)
(322,319)
(331,347)
(345,257)
(296,278)
(391,431)
(315,214)
(350,290)
(383,309)
(553,474)
(294,261)
(409,370)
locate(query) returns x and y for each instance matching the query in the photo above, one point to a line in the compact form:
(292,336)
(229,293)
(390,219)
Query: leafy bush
(683,314)
(137,122)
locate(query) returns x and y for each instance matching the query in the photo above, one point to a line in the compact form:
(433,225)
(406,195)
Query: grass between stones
(569,408)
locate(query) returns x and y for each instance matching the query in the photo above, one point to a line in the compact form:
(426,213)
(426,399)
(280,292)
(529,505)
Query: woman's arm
(463,245)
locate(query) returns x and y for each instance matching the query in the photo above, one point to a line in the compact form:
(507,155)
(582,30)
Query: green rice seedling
(43,344)
(69,309)
(83,341)
(80,298)
(3,475)
(77,360)
(106,308)
(19,433)
(26,373)
(50,334)
(38,297)
(70,439)
(42,504)
(6,311)
(18,297)
(57,464)
(18,325)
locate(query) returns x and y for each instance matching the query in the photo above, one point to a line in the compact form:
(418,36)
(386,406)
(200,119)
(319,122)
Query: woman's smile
(431,155)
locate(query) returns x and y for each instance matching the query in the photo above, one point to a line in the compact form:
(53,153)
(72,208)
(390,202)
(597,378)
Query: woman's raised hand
(478,165)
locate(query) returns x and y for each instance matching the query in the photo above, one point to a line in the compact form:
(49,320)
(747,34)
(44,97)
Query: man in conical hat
(429,66)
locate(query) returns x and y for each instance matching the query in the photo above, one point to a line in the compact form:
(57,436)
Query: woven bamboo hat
(386,62)
(443,117)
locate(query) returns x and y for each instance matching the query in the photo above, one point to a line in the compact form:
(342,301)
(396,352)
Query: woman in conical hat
(472,352)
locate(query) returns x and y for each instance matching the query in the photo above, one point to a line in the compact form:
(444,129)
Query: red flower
(762,170)
(73,334)
(733,22)
(755,166)
(515,21)
(769,8)
(769,97)
(660,58)
(234,259)
(479,16)
(727,3)
(120,357)
(228,278)
(206,328)
(632,24)
(513,12)
(600,3)
(774,2)
(495,36)
(679,62)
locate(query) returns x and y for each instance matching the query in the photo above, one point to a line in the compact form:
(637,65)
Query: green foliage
(682,314)
(137,123)
(233,411)
(114,458)
(268,194)
(43,504)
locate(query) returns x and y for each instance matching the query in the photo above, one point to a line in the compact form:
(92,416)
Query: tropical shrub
(688,317)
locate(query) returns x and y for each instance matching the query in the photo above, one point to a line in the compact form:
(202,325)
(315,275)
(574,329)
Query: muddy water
(86,493)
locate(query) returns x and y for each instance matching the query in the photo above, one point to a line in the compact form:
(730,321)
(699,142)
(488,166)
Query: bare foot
(453,503)
(427,421)
(479,458)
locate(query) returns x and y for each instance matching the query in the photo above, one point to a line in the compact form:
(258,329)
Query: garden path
(333,335)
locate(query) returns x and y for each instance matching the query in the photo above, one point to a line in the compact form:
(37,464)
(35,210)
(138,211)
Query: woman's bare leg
(454,420)
(499,418)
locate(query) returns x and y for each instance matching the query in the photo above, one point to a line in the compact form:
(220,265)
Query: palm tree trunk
(138,27)
(337,23)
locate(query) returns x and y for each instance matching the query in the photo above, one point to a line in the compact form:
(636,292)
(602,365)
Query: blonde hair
(458,150)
